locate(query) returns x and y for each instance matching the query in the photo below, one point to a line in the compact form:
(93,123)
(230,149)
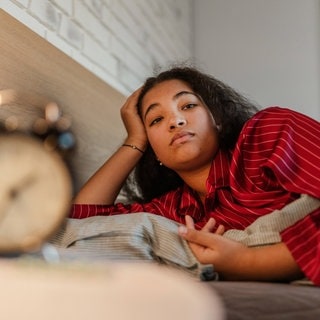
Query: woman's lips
(181,137)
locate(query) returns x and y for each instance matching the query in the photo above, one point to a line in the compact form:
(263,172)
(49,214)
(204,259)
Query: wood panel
(32,66)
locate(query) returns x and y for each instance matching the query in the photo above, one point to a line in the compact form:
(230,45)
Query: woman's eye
(155,121)
(189,106)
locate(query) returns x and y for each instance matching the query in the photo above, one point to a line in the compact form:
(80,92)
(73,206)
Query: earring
(219,127)
(160,163)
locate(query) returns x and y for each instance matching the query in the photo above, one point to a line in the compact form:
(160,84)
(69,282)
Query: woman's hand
(213,248)
(234,261)
(132,121)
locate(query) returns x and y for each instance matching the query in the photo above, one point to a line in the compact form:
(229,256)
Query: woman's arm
(104,186)
(234,261)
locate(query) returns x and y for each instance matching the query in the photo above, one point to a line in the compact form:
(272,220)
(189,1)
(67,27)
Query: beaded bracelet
(133,147)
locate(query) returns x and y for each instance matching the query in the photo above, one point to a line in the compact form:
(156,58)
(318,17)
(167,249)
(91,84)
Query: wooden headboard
(29,64)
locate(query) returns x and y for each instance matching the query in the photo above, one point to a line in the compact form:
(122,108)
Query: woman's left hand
(235,261)
(212,248)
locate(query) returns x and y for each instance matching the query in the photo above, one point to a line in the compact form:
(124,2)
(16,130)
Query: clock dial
(35,193)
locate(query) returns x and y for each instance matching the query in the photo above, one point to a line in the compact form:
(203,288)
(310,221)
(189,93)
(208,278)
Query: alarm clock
(35,180)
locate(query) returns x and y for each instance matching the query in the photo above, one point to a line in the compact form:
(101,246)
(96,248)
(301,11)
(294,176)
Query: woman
(204,156)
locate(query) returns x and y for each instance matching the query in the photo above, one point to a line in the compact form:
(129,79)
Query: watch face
(35,193)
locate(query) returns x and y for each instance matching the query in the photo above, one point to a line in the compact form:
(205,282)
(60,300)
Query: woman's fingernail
(182,230)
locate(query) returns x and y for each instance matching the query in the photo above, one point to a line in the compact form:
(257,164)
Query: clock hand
(13,193)
(23,184)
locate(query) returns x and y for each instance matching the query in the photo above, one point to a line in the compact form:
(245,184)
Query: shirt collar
(218,177)
(219,171)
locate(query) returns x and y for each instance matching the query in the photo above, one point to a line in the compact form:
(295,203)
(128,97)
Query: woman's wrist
(133,146)
(137,144)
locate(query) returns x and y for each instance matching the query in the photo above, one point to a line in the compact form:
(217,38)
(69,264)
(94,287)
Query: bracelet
(133,147)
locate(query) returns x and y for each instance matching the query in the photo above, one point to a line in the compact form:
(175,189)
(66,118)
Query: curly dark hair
(229,109)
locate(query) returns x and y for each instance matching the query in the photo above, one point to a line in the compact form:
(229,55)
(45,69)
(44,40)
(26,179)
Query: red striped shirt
(276,159)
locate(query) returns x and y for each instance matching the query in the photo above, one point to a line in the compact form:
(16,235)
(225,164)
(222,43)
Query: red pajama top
(276,158)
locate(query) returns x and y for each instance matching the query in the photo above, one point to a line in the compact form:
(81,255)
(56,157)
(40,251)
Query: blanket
(151,238)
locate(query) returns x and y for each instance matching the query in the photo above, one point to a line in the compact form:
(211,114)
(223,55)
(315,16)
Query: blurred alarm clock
(36,184)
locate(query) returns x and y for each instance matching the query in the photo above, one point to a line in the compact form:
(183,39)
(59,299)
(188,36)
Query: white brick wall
(121,41)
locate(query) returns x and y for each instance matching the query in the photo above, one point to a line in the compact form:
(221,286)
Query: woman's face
(179,126)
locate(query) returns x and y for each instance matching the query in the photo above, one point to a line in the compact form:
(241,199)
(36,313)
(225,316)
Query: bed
(93,107)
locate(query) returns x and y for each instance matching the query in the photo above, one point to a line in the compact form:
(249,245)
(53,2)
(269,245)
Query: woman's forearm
(104,186)
(268,263)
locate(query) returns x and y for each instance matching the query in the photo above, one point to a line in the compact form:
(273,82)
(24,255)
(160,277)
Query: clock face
(35,193)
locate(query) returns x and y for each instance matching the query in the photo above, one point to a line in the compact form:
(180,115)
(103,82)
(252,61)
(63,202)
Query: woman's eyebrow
(175,97)
(181,93)
(153,105)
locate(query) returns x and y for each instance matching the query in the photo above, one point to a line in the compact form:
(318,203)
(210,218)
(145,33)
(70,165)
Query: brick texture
(121,41)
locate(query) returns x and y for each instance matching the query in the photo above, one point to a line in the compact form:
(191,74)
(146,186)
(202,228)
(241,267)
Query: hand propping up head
(132,121)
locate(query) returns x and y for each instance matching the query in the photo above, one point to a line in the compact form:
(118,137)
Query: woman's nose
(177,122)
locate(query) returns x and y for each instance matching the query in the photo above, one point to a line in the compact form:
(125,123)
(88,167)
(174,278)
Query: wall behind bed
(267,49)
(120,41)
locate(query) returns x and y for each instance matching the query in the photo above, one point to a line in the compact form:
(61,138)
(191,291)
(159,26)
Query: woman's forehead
(166,89)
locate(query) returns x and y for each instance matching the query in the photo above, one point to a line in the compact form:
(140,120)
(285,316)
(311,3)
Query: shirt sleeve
(295,162)
(303,241)
(290,142)
(81,211)
(166,205)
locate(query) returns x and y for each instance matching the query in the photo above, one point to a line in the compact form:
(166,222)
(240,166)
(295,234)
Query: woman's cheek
(152,139)
(157,142)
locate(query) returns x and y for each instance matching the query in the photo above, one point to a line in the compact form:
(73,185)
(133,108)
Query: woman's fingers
(200,243)
(220,230)
(189,222)
(208,227)
(132,121)
(131,103)
(195,236)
